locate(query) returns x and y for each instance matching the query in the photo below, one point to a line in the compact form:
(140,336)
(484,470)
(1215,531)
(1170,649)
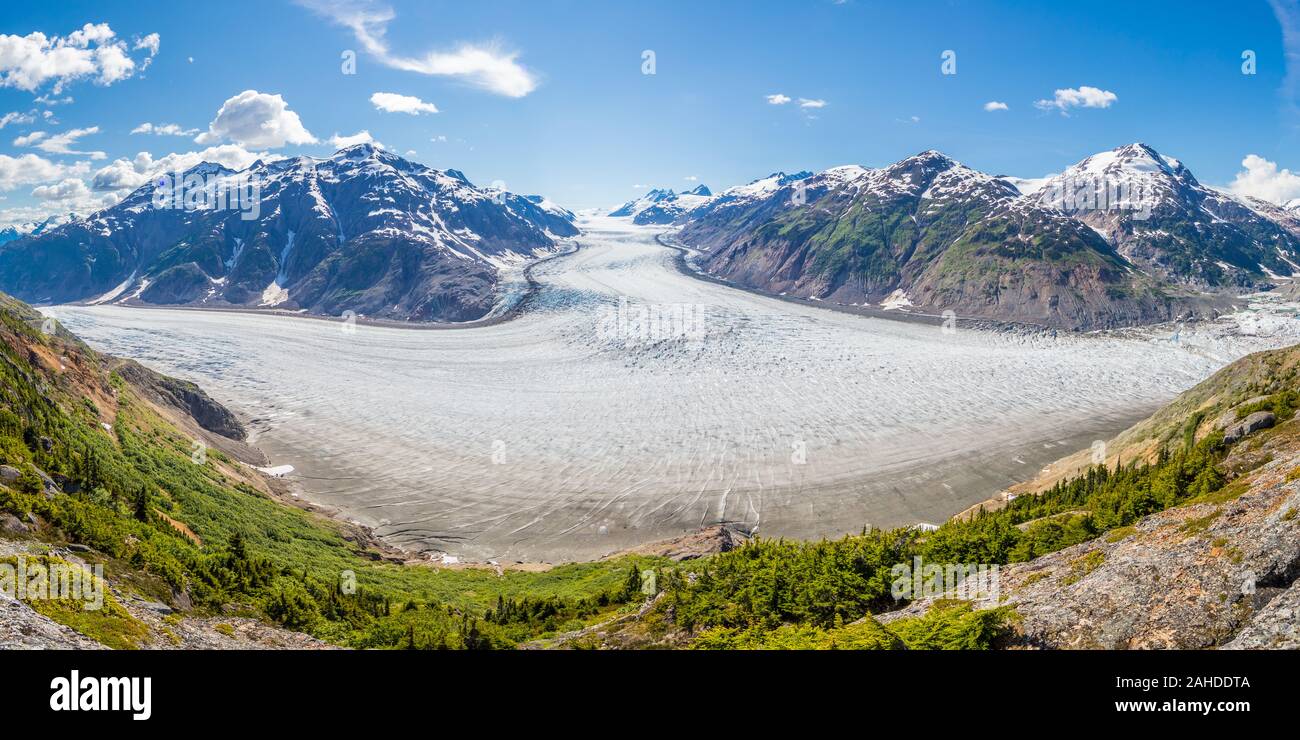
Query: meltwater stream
(569,432)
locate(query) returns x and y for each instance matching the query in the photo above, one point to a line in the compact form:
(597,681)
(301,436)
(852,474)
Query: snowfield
(631,403)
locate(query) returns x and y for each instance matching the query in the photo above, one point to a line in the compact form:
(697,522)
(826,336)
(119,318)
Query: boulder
(48,483)
(9,475)
(1252,423)
(12,524)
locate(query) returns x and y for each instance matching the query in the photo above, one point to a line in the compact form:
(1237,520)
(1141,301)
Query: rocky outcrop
(183,396)
(1252,423)
(708,541)
(1275,627)
(23,628)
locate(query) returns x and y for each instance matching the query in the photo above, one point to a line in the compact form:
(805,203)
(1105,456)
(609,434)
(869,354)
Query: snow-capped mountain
(736,200)
(35,228)
(926,233)
(1287,216)
(362,230)
(1158,216)
(662,205)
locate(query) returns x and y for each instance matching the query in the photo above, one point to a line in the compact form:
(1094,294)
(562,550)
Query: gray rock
(22,628)
(157,607)
(10,475)
(1275,627)
(51,487)
(65,484)
(12,524)
(1252,423)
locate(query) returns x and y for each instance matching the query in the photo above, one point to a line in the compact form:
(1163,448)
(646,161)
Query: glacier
(559,436)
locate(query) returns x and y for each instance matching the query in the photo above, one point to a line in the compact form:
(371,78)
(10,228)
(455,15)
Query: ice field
(631,403)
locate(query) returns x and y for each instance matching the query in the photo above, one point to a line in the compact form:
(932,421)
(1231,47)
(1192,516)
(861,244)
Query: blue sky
(550,97)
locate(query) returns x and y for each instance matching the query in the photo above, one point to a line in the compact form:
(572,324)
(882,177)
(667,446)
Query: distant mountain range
(662,205)
(1124,237)
(34,228)
(363,230)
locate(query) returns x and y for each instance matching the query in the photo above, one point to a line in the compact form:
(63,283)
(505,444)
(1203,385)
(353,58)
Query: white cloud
(16,117)
(360,137)
(33,169)
(691,178)
(67,196)
(255,119)
(123,174)
(439,139)
(777,99)
(1262,179)
(394,103)
(163,129)
(60,143)
(486,66)
(92,52)
(150,42)
(114,64)
(1081,97)
(810,103)
(993,105)
(30,139)
(70,189)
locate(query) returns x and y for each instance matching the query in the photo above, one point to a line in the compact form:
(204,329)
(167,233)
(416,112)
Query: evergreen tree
(142,505)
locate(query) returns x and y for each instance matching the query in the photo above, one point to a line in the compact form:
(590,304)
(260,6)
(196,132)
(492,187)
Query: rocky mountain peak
(1153,210)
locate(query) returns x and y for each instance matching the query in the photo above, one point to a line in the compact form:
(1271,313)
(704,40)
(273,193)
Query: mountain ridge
(929,233)
(362,230)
